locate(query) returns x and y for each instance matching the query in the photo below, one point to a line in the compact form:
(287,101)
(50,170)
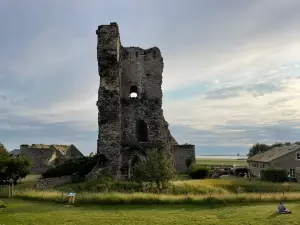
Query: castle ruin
(130,115)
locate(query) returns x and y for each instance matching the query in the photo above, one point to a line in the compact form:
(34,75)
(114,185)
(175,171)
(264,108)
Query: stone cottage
(44,157)
(285,157)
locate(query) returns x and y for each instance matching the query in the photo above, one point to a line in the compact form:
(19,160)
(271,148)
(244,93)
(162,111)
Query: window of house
(292,173)
(298,156)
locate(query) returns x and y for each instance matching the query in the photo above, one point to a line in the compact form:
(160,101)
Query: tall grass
(231,185)
(148,198)
(207,186)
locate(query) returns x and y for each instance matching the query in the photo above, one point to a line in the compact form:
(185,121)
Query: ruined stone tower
(130,116)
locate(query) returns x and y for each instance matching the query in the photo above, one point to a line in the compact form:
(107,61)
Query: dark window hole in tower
(133,92)
(136,54)
(136,159)
(142,131)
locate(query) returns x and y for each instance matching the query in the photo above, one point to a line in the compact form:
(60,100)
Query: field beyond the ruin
(34,213)
(221,162)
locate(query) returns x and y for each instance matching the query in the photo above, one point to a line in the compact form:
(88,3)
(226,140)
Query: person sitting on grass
(282,208)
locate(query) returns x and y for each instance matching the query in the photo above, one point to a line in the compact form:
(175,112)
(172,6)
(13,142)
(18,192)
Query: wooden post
(71,198)
(9,190)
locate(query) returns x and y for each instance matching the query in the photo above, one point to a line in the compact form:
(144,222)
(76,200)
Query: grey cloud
(50,57)
(235,138)
(20,131)
(257,89)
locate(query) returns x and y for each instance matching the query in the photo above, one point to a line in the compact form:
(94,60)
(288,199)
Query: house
(285,157)
(44,157)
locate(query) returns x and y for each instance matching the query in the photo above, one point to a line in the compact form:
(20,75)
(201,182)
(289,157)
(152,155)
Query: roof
(274,153)
(15,152)
(61,148)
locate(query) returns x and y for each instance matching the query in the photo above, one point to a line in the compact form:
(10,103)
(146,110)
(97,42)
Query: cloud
(231,69)
(241,118)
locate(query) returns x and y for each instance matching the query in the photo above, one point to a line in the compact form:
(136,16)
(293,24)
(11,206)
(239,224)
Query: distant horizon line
(222,155)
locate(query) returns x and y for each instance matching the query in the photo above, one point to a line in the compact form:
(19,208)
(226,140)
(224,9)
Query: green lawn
(31,213)
(225,162)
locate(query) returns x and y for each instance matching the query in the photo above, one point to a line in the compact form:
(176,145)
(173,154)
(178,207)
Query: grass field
(221,162)
(34,213)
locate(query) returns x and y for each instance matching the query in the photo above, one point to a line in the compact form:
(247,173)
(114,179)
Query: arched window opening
(142,131)
(135,161)
(133,92)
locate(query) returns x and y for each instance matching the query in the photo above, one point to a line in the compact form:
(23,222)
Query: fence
(6,190)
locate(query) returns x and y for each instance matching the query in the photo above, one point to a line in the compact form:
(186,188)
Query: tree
(18,168)
(12,168)
(158,169)
(256,148)
(188,162)
(2,148)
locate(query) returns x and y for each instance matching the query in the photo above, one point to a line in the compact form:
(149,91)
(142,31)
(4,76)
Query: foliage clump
(77,166)
(196,171)
(157,169)
(13,168)
(274,175)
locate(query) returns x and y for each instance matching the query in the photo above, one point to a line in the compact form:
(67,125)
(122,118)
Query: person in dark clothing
(282,208)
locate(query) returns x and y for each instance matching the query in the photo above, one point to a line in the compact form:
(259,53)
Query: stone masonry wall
(49,183)
(38,157)
(109,105)
(142,69)
(180,154)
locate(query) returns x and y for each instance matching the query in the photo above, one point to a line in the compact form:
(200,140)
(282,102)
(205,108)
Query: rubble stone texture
(129,125)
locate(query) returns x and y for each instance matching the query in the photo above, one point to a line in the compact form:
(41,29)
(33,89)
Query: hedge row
(79,166)
(274,175)
(196,171)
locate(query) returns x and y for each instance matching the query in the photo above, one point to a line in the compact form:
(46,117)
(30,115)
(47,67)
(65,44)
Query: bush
(196,171)
(79,166)
(13,169)
(240,171)
(188,162)
(157,169)
(274,175)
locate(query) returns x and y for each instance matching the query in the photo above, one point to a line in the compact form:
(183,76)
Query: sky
(231,69)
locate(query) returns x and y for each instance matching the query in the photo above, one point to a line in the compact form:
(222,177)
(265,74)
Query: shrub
(188,162)
(158,169)
(13,169)
(79,166)
(196,171)
(240,171)
(274,175)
